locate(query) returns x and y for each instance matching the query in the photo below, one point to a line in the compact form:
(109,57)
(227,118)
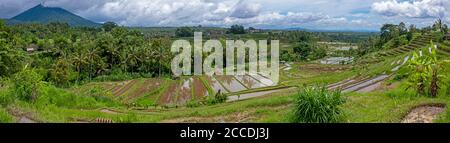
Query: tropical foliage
(64,54)
(425,74)
(317,105)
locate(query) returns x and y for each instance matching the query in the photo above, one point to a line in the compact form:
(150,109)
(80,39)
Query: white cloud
(205,12)
(256,13)
(414,9)
(246,10)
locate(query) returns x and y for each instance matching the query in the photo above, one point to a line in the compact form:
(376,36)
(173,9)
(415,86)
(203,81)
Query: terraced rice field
(185,91)
(179,92)
(249,81)
(230,83)
(215,85)
(169,96)
(419,42)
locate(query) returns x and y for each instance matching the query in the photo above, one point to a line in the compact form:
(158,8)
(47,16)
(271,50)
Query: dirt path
(21,117)
(370,88)
(24,119)
(423,114)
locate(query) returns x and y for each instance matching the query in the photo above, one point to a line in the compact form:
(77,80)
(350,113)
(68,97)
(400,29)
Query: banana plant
(424,74)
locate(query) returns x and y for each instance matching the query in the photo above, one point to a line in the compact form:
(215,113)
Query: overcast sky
(312,14)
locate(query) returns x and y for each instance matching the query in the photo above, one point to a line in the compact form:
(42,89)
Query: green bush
(317,105)
(26,84)
(216,99)
(192,104)
(5,117)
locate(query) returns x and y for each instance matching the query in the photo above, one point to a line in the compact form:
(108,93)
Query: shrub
(317,105)
(26,84)
(192,104)
(425,73)
(216,99)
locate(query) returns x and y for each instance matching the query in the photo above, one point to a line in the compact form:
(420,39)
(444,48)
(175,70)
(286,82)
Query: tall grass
(317,105)
(5,117)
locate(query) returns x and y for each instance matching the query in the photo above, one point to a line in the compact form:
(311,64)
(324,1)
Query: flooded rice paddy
(180,91)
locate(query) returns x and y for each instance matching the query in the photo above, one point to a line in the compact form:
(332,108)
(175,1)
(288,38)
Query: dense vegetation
(65,55)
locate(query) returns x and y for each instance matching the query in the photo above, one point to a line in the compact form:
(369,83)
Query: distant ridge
(337,30)
(44,15)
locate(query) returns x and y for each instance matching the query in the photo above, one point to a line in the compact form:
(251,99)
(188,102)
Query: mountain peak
(43,14)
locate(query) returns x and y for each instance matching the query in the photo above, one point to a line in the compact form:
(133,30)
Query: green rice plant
(317,105)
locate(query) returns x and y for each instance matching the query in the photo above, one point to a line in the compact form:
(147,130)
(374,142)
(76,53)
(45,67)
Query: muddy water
(170,94)
(340,84)
(249,82)
(366,83)
(336,60)
(402,63)
(370,88)
(185,91)
(148,86)
(264,80)
(215,85)
(254,95)
(230,83)
(200,90)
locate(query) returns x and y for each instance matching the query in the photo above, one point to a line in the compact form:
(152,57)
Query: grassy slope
(386,106)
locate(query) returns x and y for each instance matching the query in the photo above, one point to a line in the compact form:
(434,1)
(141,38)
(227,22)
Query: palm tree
(162,53)
(92,58)
(132,58)
(80,60)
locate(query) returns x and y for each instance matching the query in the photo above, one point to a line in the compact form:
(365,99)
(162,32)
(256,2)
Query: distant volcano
(45,15)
